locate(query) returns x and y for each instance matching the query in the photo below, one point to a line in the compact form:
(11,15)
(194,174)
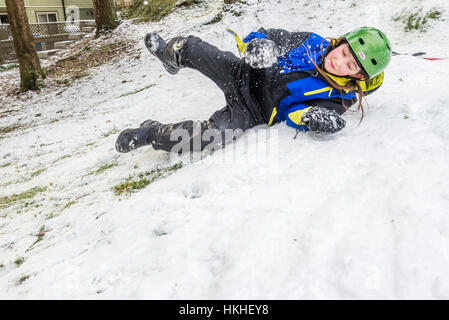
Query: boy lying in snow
(297,77)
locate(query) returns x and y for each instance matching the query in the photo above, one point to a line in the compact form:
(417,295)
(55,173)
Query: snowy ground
(360,214)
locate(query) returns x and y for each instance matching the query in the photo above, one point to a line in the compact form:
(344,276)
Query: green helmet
(371,48)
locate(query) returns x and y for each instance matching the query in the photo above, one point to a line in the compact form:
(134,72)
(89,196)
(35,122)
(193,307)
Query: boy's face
(341,62)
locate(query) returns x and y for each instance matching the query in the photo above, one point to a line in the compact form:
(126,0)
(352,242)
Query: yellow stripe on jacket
(296,116)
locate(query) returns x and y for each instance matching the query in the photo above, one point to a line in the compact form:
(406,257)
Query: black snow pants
(234,77)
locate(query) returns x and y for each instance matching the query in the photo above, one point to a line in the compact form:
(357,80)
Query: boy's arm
(284,39)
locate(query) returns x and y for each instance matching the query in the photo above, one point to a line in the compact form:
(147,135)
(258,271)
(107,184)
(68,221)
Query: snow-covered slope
(360,214)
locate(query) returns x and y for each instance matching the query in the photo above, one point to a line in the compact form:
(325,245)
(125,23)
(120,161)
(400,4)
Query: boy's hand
(261,53)
(322,120)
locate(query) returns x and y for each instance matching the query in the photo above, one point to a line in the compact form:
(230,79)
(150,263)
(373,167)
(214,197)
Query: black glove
(322,120)
(261,53)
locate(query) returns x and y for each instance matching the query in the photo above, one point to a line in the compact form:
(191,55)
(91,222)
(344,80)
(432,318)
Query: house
(123,3)
(47,23)
(58,10)
(53,10)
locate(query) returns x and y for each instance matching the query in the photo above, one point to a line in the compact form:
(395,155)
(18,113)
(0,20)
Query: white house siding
(32,7)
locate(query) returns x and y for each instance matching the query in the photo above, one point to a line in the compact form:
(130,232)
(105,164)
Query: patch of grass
(39,236)
(28,204)
(62,158)
(22,280)
(418,20)
(434,14)
(229,7)
(155,10)
(72,202)
(233,1)
(143,179)
(30,193)
(19,261)
(8,67)
(6,112)
(103,168)
(69,204)
(218,17)
(158,233)
(113,131)
(38,172)
(136,91)
(189,3)
(5,165)
(8,129)
(48,144)
(51,215)
(130,186)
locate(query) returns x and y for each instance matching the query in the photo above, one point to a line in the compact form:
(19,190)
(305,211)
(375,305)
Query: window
(86,14)
(47,17)
(3,18)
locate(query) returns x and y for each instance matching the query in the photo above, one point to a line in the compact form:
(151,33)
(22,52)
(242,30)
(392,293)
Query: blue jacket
(293,86)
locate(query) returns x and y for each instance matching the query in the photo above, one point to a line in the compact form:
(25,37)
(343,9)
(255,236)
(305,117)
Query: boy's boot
(169,54)
(131,139)
(164,136)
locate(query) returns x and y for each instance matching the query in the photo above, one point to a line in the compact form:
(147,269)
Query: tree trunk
(30,66)
(105,16)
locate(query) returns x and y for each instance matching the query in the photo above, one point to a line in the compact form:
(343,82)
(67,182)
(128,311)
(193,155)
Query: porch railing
(49,28)
(45,33)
